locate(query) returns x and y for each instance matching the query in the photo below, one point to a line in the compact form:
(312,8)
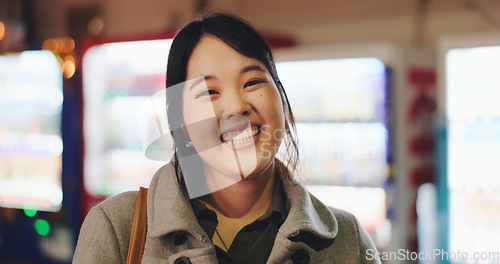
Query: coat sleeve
(367,251)
(97,242)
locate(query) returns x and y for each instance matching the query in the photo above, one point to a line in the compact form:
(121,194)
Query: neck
(238,199)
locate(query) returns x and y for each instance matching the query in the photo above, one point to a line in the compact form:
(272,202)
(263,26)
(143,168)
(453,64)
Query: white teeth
(240,137)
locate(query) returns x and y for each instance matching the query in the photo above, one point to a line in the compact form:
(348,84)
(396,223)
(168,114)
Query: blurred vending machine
(119,79)
(340,106)
(32,224)
(30,131)
(469,140)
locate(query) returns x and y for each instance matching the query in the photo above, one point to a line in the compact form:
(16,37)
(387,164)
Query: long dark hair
(244,39)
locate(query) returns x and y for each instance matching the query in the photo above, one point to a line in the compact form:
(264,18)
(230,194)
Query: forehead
(212,55)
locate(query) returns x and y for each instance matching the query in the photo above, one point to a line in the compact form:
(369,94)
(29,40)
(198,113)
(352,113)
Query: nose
(235,105)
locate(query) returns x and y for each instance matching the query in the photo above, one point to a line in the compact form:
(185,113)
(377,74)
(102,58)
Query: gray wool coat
(311,233)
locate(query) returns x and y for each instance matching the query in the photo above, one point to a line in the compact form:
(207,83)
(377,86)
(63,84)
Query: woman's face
(232,110)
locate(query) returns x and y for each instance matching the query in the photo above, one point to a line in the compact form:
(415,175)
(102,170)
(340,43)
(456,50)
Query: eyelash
(253,82)
(210,92)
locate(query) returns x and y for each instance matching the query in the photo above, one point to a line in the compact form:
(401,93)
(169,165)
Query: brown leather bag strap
(139,227)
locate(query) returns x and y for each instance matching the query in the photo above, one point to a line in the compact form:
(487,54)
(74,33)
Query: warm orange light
(69,58)
(68,66)
(59,45)
(50,44)
(2,30)
(67,45)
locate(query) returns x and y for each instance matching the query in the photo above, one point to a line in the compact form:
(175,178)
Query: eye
(253,82)
(206,92)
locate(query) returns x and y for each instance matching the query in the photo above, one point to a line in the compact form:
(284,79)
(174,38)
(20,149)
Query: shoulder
(342,216)
(119,206)
(348,225)
(118,211)
(350,229)
(105,232)
(345,223)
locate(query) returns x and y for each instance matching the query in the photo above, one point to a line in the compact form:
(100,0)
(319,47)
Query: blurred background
(396,103)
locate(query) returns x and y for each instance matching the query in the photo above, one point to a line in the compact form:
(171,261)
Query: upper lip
(238,127)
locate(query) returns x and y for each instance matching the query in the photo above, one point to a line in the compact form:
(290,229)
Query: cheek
(273,108)
(201,123)
(194,111)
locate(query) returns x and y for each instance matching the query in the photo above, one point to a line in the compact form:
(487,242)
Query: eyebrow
(252,67)
(200,80)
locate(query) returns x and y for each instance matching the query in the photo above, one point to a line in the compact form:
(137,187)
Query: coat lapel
(310,225)
(170,210)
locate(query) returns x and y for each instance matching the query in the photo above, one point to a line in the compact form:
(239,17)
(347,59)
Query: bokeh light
(68,66)
(30,209)
(42,227)
(96,25)
(2,30)
(59,45)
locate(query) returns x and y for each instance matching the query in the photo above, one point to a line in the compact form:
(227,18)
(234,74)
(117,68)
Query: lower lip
(243,146)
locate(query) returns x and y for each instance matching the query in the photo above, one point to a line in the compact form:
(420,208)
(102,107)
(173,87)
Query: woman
(225,197)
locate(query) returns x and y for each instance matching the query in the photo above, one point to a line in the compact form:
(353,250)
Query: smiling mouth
(239,137)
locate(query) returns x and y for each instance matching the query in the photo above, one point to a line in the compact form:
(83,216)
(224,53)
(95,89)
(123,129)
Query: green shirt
(254,242)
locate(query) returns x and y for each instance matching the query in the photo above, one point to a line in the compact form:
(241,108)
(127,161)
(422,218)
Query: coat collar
(307,213)
(169,210)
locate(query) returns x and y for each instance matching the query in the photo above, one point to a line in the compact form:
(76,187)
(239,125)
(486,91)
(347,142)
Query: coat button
(179,239)
(300,257)
(182,260)
(294,234)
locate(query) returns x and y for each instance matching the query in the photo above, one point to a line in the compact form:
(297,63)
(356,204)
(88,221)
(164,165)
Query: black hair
(243,38)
